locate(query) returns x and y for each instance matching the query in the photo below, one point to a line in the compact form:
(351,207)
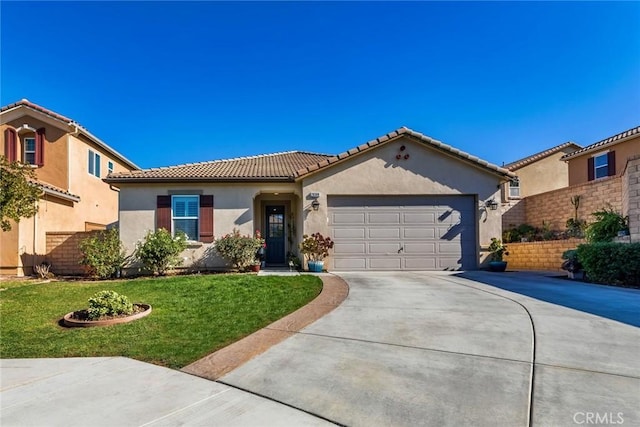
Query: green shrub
(571,262)
(497,249)
(576,227)
(238,249)
(108,304)
(103,254)
(159,251)
(611,263)
(605,228)
(516,234)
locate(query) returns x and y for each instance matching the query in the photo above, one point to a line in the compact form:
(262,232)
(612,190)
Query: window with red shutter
(39,158)
(10,144)
(206,218)
(163,213)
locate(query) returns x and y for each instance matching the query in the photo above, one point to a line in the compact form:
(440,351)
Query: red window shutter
(206,219)
(163,213)
(40,147)
(591,169)
(10,149)
(611,163)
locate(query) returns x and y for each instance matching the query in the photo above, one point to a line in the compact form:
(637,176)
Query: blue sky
(167,83)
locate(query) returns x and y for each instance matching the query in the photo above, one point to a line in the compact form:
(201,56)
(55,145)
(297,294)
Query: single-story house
(403,201)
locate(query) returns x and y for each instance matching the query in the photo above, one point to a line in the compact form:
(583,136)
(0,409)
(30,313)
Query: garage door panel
(384,233)
(419,233)
(423,263)
(387,263)
(419,248)
(383,218)
(350,263)
(348,233)
(384,248)
(403,232)
(449,248)
(348,218)
(349,248)
(419,218)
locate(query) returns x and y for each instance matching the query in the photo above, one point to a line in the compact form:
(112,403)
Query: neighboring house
(403,201)
(604,158)
(70,163)
(540,172)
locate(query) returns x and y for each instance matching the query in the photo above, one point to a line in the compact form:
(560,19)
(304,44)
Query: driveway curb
(334,292)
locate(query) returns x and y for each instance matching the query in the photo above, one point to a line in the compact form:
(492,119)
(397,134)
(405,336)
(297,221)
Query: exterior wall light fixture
(315,204)
(491,204)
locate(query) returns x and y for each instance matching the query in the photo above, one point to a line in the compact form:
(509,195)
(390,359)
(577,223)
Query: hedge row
(611,263)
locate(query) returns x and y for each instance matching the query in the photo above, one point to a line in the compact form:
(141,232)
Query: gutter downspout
(35,238)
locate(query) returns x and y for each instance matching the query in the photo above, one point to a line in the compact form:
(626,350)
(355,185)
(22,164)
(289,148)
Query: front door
(275,237)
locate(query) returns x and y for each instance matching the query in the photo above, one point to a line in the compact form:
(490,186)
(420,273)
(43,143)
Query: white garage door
(403,233)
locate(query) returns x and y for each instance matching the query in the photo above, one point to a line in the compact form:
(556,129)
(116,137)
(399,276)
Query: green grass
(192,315)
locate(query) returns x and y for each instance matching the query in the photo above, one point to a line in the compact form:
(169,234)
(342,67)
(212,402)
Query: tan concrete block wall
(546,256)
(514,213)
(63,252)
(554,207)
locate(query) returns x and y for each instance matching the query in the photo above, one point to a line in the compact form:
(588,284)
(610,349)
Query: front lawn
(192,315)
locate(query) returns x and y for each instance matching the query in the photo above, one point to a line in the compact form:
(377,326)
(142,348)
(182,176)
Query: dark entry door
(275,234)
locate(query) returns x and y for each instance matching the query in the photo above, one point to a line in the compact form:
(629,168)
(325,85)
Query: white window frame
(174,217)
(25,152)
(109,167)
(604,167)
(513,194)
(93,165)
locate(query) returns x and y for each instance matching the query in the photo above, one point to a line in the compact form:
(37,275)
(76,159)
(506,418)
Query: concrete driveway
(441,349)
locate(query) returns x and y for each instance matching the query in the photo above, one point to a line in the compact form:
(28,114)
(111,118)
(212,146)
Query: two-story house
(604,158)
(70,163)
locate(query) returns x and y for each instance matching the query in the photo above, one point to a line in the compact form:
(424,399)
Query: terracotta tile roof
(398,133)
(287,166)
(27,103)
(75,126)
(539,156)
(266,167)
(604,143)
(56,191)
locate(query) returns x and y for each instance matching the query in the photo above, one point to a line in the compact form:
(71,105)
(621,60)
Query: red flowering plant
(316,247)
(240,249)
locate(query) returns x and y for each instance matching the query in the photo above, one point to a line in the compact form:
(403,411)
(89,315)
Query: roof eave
(587,150)
(146,180)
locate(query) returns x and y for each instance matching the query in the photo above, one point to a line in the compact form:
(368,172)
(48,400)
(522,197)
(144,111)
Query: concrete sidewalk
(124,392)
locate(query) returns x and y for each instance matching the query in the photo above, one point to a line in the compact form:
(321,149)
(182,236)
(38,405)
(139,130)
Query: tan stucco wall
(55,148)
(578,166)
(9,260)
(427,172)
(543,175)
(235,206)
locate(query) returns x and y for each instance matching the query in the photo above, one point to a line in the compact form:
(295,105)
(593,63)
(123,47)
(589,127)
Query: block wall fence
(543,256)
(63,252)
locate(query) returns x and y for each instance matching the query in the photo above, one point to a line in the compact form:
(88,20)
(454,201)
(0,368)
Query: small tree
(103,253)
(159,251)
(18,194)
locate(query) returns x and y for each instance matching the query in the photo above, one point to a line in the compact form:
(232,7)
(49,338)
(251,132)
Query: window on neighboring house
(110,167)
(514,188)
(601,165)
(185,211)
(94,163)
(29,151)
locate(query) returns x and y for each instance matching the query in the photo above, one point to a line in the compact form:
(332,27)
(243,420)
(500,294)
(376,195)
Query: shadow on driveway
(620,304)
